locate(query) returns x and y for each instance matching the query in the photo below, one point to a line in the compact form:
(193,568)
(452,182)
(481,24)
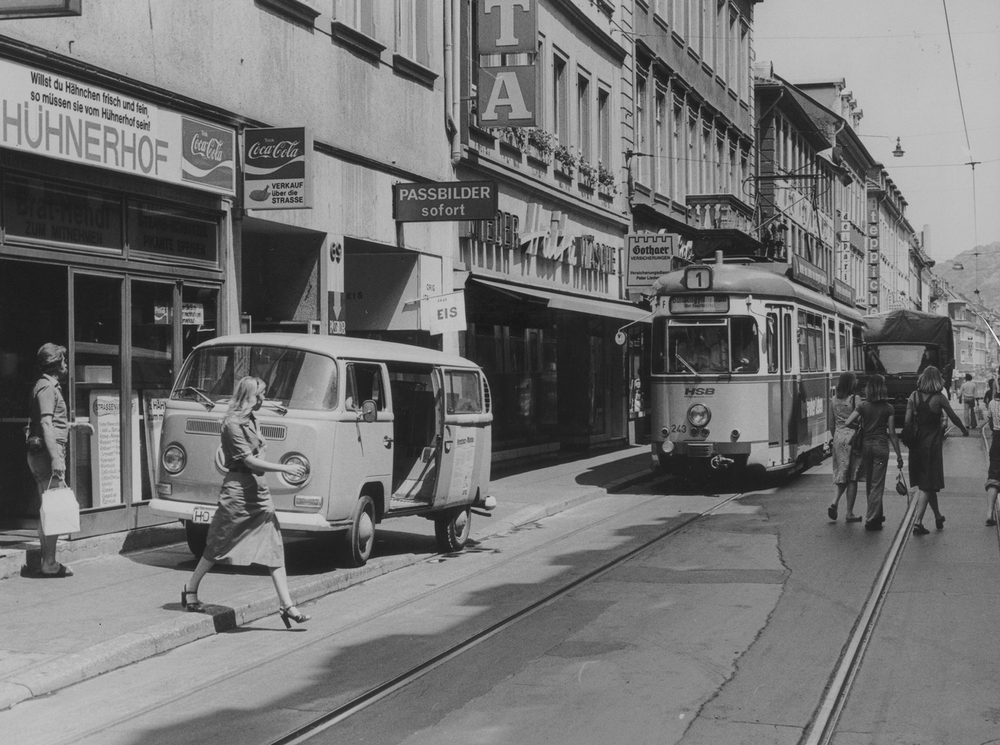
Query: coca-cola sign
(275,168)
(208,154)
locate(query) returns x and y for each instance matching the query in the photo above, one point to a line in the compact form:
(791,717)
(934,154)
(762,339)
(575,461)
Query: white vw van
(384,430)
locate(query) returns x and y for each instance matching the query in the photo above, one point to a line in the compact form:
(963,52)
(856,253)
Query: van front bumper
(309,522)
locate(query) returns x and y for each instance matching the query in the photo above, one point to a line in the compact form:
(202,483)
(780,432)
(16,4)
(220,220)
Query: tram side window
(810,343)
(772,342)
(845,357)
(857,350)
(832,341)
(745,345)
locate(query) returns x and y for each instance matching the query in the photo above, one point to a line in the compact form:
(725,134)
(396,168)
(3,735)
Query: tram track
(824,724)
(319,724)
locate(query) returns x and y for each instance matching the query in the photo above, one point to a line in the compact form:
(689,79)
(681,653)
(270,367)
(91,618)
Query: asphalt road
(717,629)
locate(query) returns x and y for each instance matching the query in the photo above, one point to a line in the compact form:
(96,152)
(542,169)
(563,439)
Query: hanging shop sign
(59,117)
(276,169)
(444,201)
(648,256)
(507,26)
(447,313)
(874,251)
(507,93)
(807,273)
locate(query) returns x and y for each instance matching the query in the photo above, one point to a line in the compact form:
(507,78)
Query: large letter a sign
(507,96)
(506,92)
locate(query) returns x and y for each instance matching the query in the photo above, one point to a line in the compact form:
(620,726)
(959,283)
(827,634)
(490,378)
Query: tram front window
(721,347)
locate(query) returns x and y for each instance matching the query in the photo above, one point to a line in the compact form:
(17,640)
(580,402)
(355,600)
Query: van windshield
(295,379)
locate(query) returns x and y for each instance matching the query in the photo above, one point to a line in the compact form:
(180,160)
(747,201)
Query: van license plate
(201,516)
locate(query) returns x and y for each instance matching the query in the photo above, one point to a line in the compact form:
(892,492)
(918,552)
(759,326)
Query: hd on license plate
(201,516)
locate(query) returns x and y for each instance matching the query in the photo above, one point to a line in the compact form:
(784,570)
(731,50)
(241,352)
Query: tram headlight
(734,435)
(699,415)
(667,446)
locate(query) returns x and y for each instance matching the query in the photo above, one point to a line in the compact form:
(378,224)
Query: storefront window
(172,234)
(44,211)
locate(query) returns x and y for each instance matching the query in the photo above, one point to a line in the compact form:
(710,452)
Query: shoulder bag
(908,435)
(858,438)
(60,513)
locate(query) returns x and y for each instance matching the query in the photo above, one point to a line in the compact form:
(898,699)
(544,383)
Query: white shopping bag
(60,511)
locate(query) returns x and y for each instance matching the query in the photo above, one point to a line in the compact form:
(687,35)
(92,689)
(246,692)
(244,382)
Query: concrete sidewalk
(122,607)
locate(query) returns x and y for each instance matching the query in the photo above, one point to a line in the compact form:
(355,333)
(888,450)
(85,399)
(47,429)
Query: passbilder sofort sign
(443,201)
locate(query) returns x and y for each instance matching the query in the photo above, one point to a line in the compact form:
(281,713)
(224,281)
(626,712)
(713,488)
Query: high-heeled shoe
(287,616)
(939,521)
(191,607)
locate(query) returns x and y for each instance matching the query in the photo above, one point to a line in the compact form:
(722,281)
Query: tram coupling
(721,461)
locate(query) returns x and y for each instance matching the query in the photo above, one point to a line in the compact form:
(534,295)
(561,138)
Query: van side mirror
(369,412)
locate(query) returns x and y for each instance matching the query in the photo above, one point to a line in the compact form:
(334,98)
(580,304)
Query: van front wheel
(452,529)
(360,536)
(197,537)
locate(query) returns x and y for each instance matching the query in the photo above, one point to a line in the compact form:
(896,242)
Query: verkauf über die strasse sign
(444,201)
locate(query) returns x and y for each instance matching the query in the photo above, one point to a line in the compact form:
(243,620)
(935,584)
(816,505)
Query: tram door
(779,365)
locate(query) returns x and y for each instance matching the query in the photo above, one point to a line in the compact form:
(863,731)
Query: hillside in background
(964,281)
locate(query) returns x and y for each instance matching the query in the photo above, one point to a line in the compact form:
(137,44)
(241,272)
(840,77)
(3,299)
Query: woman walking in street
(993,476)
(879,428)
(244,529)
(845,463)
(926,457)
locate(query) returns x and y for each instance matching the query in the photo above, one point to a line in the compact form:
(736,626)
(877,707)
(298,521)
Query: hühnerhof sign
(507,93)
(276,169)
(58,117)
(444,201)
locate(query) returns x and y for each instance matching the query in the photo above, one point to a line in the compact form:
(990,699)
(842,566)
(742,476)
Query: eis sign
(507,93)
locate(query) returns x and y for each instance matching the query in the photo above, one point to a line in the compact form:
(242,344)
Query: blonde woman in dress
(845,463)
(244,529)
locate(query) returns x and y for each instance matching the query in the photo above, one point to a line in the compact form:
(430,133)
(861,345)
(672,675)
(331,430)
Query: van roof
(345,346)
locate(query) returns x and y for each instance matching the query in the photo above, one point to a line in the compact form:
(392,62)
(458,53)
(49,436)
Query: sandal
(62,572)
(193,606)
(919,529)
(832,511)
(853,518)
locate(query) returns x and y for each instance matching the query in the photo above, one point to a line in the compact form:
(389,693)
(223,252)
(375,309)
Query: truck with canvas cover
(900,344)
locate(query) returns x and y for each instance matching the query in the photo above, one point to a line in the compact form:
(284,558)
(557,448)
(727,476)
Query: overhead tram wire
(968,144)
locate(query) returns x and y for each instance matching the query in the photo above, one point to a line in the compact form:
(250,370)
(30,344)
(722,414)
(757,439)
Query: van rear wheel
(360,537)
(452,529)
(197,537)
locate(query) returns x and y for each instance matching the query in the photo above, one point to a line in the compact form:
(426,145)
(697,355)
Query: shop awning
(575,303)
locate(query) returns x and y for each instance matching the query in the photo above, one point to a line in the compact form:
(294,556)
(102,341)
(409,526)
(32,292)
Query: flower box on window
(540,144)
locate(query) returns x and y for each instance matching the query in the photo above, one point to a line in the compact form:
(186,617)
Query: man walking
(967,395)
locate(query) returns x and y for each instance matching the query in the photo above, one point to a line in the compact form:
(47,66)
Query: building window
(583,116)
(413,25)
(560,100)
(604,126)
(660,151)
(640,129)
(677,149)
(358,14)
(691,161)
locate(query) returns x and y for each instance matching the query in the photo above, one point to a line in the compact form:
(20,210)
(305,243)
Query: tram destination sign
(444,201)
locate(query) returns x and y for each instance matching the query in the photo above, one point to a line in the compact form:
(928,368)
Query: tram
(745,361)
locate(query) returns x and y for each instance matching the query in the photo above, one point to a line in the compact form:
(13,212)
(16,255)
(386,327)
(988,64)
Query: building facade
(126,233)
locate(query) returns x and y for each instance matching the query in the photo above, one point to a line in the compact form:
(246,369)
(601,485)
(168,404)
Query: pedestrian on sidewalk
(845,463)
(879,427)
(926,404)
(993,476)
(967,397)
(48,430)
(244,529)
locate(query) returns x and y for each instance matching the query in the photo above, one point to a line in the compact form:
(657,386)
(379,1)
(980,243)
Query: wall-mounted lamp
(898,152)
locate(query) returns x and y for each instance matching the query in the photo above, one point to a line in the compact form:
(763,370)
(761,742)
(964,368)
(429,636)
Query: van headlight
(296,459)
(699,415)
(173,459)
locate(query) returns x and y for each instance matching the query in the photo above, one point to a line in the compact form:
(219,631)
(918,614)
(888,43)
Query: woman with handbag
(876,416)
(925,406)
(244,529)
(845,464)
(48,430)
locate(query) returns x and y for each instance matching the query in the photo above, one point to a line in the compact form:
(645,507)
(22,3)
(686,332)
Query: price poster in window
(106,447)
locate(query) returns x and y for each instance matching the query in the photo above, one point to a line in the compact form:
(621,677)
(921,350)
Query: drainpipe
(453,68)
